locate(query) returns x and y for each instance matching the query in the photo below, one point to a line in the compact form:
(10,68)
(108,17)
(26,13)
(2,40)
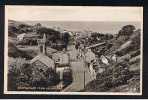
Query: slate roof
(44,59)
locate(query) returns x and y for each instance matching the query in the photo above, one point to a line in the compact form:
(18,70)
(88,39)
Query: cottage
(20,37)
(42,61)
(24,36)
(62,62)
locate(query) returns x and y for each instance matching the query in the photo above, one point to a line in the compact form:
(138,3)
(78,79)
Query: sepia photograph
(73,50)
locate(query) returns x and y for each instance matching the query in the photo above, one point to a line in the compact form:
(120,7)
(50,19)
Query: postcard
(73,50)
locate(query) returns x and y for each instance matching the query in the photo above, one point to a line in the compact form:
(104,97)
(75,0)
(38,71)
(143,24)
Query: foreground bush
(22,75)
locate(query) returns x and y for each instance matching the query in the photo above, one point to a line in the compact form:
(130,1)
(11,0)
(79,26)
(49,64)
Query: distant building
(20,37)
(24,36)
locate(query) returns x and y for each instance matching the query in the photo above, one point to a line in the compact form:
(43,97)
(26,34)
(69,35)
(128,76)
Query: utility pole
(84,79)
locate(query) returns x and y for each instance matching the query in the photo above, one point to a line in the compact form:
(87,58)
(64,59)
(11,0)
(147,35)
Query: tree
(24,28)
(51,34)
(37,26)
(127,30)
(48,31)
(12,30)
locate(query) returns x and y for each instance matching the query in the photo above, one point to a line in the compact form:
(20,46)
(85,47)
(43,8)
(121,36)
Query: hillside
(13,28)
(127,48)
(16,28)
(13,51)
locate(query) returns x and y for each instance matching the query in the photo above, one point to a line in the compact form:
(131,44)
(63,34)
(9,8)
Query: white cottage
(20,37)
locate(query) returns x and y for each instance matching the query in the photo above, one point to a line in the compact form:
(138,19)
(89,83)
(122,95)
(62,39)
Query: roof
(44,59)
(96,45)
(21,35)
(28,35)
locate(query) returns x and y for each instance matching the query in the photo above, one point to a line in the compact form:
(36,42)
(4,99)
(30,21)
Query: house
(62,62)
(20,37)
(42,62)
(24,36)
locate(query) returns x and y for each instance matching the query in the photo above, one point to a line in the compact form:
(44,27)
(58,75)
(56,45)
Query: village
(67,61)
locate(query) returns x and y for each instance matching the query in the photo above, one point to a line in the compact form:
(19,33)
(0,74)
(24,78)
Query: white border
(63,93)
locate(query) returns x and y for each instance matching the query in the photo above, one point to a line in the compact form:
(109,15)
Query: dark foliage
(12,30)
(51,33)
(127,30)
(19,76)
(13,51)
(23,77)
(117,73)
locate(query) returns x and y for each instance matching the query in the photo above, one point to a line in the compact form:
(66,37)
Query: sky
(75,13)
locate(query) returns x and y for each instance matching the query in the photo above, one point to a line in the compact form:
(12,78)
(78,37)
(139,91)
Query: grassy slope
(135,67)
(13,51)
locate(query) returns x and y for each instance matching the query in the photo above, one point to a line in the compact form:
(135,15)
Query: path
(80,73)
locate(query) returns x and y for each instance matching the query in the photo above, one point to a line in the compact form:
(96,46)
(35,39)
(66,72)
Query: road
(80,73)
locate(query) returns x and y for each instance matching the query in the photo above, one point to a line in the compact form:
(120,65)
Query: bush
(46,78)
(22,75)
(18,75)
